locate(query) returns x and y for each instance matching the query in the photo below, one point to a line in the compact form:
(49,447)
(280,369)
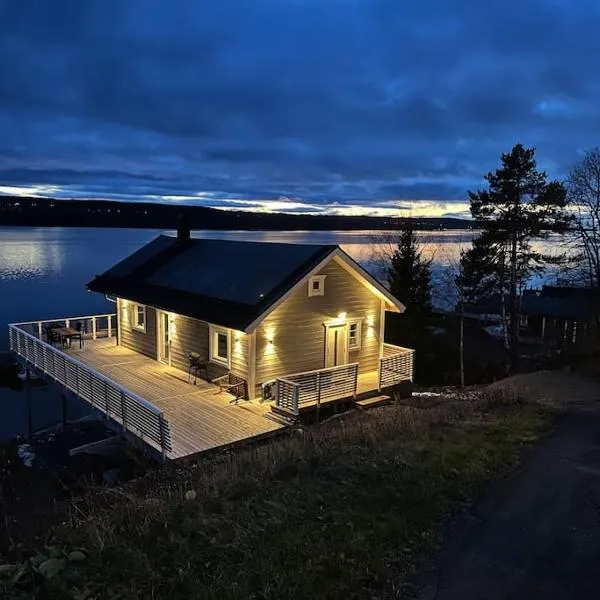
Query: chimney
(183,227)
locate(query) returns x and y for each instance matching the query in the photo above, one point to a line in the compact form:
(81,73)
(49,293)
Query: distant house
(202,324)
(559,313)
(553,314)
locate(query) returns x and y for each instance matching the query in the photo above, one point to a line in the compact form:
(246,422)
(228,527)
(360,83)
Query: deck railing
(396,365)
(129,410)
(316,387)
(91,326)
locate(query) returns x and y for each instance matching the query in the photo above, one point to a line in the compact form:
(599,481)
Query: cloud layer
(331,105)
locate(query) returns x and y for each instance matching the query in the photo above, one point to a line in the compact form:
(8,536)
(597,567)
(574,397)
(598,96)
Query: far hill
(44,212)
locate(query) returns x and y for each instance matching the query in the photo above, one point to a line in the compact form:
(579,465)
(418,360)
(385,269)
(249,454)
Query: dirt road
(535,534)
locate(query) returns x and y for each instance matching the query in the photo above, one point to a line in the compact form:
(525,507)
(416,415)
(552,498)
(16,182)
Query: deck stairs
(372,402)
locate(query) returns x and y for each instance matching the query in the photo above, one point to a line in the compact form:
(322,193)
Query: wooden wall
(134,339)
(298,332)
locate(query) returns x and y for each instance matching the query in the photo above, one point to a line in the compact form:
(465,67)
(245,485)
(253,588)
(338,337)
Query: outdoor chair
(233,384)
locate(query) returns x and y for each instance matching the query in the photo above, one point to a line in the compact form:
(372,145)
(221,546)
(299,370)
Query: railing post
(318,395)
(67,322)
(163,442)
(124,412)
(106,411)
(39,329)
(379,374)
(93,328)
(109,326)
(355,381)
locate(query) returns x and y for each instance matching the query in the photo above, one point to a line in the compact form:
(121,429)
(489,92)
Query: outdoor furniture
(197,366)
(52,336)
(233,384)
(68,334)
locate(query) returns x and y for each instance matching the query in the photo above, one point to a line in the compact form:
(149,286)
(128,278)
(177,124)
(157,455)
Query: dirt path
(535,534)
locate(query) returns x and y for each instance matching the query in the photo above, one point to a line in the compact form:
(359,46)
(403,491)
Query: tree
(518,207)
(583,194)
(409,274)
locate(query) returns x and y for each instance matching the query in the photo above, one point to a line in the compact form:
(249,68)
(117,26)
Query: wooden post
(355,382)
(124,413)
(318,395)
(63,398)
(39,329)
(29,407)
(109,326)
(93,328)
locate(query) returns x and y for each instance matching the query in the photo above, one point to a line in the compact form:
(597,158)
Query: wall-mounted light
(269,337)
(342,316)
(370,326)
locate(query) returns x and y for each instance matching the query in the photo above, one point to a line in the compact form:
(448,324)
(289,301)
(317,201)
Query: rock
(76,556)
(111,477)
(25,453)
(52,567)
(190,495)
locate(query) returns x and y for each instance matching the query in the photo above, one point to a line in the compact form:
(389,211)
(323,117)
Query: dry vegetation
(337,511)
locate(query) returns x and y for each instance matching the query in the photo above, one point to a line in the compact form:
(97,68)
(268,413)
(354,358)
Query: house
(559,314)
(554,314)
(215,342)
(259,311)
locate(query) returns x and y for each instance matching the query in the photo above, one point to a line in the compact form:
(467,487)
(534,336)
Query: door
(336,345)
(164,343)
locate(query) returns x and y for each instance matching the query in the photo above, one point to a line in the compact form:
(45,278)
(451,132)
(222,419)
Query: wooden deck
(201,417)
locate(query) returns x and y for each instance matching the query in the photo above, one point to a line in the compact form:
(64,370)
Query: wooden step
(367,403)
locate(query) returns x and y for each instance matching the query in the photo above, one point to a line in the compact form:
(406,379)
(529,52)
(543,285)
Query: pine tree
(409,274)
(518,207)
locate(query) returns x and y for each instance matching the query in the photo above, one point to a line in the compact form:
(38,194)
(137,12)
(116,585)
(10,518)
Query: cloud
(332,104)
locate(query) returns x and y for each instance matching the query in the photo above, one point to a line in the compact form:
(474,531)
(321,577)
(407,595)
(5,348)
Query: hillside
(42,212)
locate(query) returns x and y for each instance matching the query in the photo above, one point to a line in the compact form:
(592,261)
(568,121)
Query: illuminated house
(260,311)
(288,327)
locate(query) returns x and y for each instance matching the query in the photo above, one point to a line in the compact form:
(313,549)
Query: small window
(316,286)
(219,346)
(354,330)
(139,316)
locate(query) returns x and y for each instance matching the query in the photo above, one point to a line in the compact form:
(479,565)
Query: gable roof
(228,283)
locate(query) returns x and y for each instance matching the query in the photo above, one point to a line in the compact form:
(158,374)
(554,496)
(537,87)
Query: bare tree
(583,189)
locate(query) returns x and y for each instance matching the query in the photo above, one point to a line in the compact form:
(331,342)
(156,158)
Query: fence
(316,387)
(396,365)
(133,413)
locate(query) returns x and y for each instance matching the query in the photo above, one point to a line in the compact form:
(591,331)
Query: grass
(341,511)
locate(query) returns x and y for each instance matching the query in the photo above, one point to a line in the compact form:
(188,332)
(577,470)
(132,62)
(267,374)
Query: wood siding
(191,335)
(188,335)
(298,332)
(134,339)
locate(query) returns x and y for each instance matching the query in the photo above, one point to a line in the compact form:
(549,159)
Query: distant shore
(43,212)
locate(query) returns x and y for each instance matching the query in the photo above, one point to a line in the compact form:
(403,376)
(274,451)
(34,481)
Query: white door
(164,345)
(336,345)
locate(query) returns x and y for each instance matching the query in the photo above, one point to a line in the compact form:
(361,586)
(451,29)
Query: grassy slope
(340,512)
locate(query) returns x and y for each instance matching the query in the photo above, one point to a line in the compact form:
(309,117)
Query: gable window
(220,346)
(138,316)
(354,335)
(316,286)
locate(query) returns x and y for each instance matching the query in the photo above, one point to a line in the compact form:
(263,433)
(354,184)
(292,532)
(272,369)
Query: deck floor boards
(201,418)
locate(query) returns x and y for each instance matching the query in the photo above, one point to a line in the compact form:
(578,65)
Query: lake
(43,271)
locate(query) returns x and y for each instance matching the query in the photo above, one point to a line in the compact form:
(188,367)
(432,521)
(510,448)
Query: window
(316,286)
(219,345)
(139,316)
(354,331)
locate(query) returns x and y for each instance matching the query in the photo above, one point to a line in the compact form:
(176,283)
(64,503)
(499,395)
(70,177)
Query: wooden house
(287,327)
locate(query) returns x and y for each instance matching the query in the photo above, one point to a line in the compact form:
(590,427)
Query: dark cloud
(344,101)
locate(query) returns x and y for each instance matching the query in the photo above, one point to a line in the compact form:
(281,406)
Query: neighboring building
(559,314)
(553,314)
(202,324)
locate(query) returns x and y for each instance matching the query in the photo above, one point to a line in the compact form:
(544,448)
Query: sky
(322,106)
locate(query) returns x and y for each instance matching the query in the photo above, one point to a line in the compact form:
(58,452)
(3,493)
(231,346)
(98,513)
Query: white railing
(129,410)
(396,365)
(316,387)
(91,326)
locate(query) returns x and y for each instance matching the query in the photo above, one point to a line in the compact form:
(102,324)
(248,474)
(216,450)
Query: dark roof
(577,304)
(559,302)
(224,282)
